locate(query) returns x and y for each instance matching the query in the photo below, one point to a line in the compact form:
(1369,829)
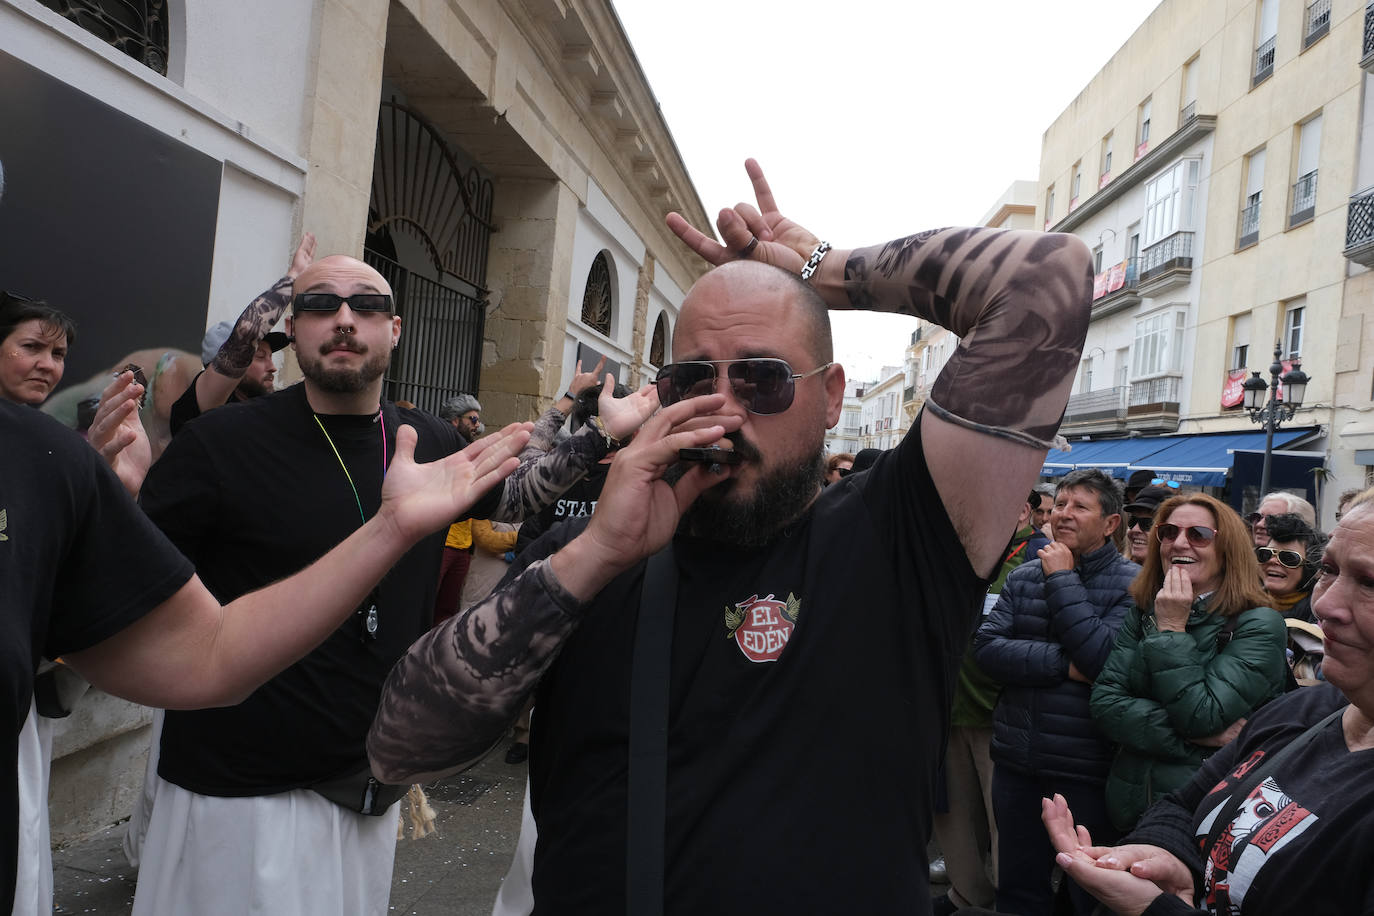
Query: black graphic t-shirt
(578,501)
(1300,843)
(809,700)
(78,563)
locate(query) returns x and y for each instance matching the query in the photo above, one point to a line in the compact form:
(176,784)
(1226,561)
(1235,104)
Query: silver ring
(749,249)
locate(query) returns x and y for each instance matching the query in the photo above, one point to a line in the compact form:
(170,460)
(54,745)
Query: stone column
(639,336)
(529,274)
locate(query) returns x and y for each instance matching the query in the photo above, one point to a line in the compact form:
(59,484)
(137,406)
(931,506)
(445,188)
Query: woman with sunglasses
(1140,518)
(1281,820)
(1289,565)
(1196,654)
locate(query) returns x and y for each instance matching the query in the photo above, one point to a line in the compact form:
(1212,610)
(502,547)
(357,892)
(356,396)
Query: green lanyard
(369,621)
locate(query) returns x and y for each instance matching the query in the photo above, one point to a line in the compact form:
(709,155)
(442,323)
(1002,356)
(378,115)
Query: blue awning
(1112,456)
(1203,460)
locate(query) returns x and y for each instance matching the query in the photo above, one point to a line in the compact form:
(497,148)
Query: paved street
(455,872)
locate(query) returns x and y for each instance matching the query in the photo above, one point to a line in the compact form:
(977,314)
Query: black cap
(1139,479)
(1149,498)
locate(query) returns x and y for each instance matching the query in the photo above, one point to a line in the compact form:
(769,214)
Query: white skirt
(291,854)
(33,889)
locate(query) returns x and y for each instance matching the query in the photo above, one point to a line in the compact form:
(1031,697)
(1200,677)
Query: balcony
(1304,199)
(1359,228)
(1096,412)
(1117,288)
(1187,113)
(1153,405)
(1318,22)
(1264,63)
(1367,61)
(1249,226)
(1166,264)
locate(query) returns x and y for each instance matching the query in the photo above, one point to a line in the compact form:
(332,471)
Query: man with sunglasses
(1140,516)
(274,793)
(805,711)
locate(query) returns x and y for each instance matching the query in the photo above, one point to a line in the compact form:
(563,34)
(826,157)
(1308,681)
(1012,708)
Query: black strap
(648,764)
(1254,777)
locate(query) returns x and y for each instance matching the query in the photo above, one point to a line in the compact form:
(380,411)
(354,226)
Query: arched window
(658,345)
(136,27)
(596,302)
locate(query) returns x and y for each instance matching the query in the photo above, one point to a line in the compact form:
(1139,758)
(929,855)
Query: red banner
(1116,277)
(1233,389)
(1100,285)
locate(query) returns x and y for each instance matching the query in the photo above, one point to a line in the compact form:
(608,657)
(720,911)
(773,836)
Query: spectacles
(1289,558)
(1143,522)
(763,385)
(1198,535)
(328,302)
(1161,482)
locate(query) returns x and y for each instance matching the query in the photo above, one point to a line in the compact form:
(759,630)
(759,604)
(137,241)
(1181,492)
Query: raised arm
(1020,303)
(190,652)
(226,370)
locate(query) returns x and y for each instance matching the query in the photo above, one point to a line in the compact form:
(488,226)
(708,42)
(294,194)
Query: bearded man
(268,806)
(708,689)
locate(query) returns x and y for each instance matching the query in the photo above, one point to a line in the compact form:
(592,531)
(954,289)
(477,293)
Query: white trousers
(516,896)
(291,854)
(33,890)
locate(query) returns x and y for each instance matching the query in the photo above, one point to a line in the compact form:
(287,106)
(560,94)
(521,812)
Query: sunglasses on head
(1198,535)
(1143,522)
(763,385)
(1289,558)
(1161,482)
(329,302)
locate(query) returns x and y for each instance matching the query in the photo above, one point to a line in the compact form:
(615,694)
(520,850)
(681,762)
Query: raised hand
(1174,601)
(623,416)
(117,432)
(581,381)
(781,242)
(420,498)
(304,256)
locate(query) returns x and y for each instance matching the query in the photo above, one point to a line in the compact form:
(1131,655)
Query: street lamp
(1281,406)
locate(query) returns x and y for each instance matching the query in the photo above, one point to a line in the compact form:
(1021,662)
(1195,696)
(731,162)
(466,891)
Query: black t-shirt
(578,501)
(78,563)
(1301,842)
(810,693)
(253,492)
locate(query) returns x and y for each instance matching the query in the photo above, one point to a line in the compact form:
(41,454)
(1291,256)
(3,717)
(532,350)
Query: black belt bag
(360,792)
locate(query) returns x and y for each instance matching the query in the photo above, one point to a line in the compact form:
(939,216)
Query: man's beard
(778,498)
(254,388)
(344,381)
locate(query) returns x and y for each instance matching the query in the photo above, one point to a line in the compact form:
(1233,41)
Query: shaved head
(750,277)
(337,267)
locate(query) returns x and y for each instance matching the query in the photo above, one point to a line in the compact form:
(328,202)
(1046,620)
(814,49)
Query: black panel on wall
(104,217)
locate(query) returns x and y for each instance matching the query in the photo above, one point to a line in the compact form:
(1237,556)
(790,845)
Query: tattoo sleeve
(545,430)
(236,353)
(452,696)
(542,476)
(1019,301)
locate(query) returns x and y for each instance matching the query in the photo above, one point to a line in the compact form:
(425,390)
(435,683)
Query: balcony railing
(1111,287)
(1304,199)
(1318,21)
(1264,62)
(1155,391)
(1103,404)
(1173,252)
(1359,228)
(1249,225)
(1367,60)
(1187,112)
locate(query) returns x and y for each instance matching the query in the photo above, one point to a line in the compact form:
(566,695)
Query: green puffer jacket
(1160,689)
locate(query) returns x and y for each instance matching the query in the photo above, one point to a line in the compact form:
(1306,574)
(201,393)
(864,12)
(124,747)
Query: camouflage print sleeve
(1020,303)
(545,430)
(236,353)
(452,696)
(541,476)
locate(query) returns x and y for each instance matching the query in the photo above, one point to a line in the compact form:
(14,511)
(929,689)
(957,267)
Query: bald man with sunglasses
(717,647)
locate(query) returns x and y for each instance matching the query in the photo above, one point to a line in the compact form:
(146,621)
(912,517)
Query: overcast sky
(872,119)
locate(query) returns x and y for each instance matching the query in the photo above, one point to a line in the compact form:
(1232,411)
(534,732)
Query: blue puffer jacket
(1042,724)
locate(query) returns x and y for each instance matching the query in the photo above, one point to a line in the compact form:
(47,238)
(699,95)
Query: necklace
(370,617)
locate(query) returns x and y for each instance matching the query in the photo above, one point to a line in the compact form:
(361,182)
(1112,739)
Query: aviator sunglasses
(763,385)
(1198,535)
(1289,558)
(328,302)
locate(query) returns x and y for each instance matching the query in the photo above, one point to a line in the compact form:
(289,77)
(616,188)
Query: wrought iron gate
(419,191)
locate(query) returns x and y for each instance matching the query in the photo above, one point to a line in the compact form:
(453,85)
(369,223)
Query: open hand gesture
(420,498)
(304,256)
(781,242)
(117,432)
(623,416)
(581,381)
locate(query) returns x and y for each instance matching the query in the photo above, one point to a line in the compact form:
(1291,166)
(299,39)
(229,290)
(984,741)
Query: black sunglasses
(1143,522)
(763,385)
(1290,558)
(328,302)
(1198,535)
